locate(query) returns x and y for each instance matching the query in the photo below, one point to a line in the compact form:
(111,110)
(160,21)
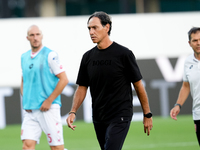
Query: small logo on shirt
(31,66)
(56,59)
(191,66)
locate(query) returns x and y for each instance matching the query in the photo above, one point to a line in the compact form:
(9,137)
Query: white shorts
(37,121)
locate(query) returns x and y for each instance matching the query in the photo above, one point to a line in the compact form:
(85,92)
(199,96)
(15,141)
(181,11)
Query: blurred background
(50,8)
(155,30)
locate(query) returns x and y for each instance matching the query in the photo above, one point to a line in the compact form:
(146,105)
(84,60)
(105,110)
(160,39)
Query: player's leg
(59,147)
(50,122)
(197,128)
(28,144)
(30,131)
(100,129)
(116,134)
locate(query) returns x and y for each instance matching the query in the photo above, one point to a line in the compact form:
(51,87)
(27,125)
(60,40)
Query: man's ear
(107,27)
(189,43)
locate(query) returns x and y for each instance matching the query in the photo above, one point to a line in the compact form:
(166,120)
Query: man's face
(96,30)
(35,37)
(195,42)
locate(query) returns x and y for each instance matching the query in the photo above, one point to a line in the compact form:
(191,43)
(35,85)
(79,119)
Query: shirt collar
(34,54)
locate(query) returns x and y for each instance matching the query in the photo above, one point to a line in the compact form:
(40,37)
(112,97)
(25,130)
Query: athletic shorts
(37,121)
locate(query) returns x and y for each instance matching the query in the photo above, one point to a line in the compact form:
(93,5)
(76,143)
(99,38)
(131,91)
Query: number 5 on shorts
(50,139)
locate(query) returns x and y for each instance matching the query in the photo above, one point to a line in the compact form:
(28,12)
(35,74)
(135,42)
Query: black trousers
(111,136)
(197,128)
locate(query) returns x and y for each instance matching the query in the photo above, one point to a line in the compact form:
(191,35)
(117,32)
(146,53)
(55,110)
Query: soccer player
(43,79)
(191,81)
(109,69)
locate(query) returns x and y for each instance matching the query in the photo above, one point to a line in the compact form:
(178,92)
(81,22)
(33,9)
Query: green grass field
(166,134)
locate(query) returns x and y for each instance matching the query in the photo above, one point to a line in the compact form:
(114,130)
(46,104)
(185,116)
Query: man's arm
(142,95)
(79,96)
(63,81)
(21,88)
(183,94)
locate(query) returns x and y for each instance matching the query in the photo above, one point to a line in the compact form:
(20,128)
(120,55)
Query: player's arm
(142,95)
(21,88)
(57,69)
(79,96)
(183,94)
(63,81)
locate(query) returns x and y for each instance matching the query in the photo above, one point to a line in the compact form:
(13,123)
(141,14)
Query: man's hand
(70,121)
(46,105)
(174,112)
(148,125)
(28,110)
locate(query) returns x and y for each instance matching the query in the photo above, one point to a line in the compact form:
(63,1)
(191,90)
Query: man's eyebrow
(92,26)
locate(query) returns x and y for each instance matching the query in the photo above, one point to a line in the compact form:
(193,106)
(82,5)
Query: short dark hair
(193,30)
(104,19)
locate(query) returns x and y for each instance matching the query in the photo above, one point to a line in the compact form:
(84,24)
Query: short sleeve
(132,69)
(184,74)
(54,63)
(83,78)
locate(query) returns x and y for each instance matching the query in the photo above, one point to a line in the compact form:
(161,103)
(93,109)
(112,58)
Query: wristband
(71,112)
(178,105)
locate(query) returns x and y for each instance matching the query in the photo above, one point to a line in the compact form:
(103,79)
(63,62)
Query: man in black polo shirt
(109,69)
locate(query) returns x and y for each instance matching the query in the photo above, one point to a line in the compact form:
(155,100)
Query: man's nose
(35,36)
(91,31)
